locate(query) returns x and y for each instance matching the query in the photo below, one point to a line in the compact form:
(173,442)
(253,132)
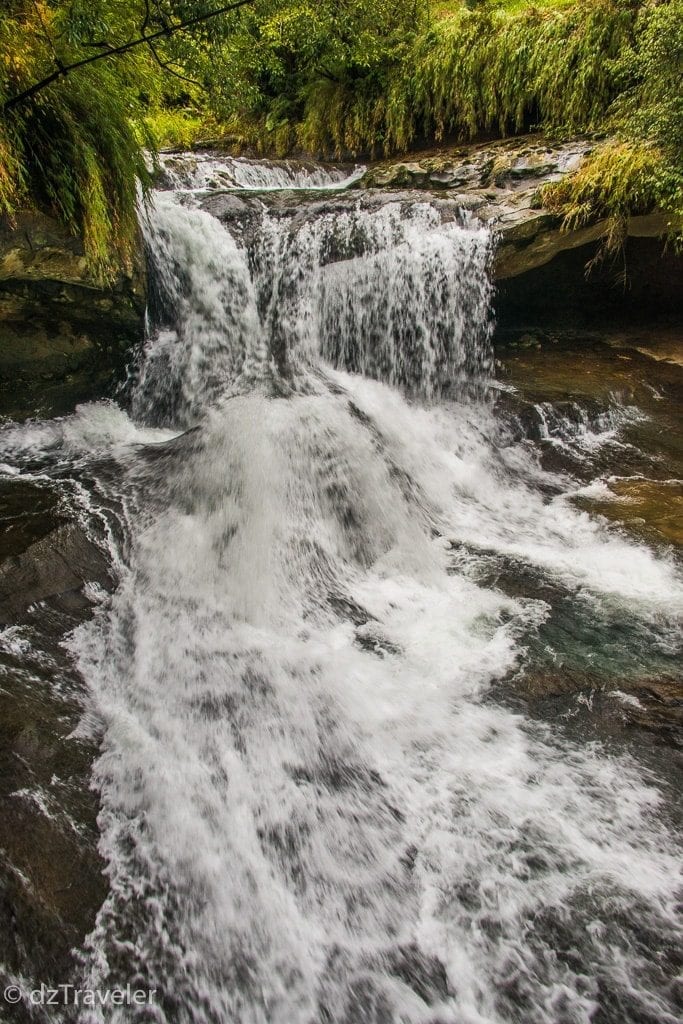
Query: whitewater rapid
(314,810)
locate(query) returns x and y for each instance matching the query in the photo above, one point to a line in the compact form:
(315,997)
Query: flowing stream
(317,804)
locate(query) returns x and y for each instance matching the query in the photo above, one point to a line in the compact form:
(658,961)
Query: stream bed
(340,651)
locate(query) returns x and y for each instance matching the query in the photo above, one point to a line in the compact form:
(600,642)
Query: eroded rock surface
(501,182)
(51,882)
(58,326)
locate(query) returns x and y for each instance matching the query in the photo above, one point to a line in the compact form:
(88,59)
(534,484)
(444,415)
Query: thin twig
(65,69)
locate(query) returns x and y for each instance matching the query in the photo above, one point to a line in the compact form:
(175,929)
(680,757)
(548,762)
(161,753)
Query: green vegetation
(401,73)
(314,74)
(77,146)
(619,181)
(643,169)
(335,78)
(296,78)
(75,149)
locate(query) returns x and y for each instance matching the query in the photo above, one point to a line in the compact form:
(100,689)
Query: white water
(312,811)
(202,171)
(395,294)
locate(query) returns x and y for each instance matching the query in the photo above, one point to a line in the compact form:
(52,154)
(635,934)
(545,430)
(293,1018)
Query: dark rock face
(561,297)
(54,567)
(530,239)
(63,337)
(51,882)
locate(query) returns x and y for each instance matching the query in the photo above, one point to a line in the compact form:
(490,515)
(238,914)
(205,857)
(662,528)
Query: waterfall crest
(395,294)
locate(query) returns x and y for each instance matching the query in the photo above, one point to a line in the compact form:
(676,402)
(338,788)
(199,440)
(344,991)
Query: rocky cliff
(60,331)
(501,182)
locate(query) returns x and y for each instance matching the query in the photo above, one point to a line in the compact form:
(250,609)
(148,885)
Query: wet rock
(176,170)
(51,882)
(530,238)
(242,214)
(501,181)
(50,875)
(529,341)
(34,247)
(653,508)
(57,566)
(44,554)
(508,164)
(400,175)
(57,324)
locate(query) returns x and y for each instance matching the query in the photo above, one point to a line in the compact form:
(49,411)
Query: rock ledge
(500,182)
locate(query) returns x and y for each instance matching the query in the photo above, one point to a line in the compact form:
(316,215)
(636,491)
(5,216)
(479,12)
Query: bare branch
(167,65)
(144,40)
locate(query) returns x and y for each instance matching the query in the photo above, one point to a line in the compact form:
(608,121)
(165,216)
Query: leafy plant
(77,86)
(643,171)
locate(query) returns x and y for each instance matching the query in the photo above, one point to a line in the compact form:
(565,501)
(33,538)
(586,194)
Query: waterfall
(395,294)
(202,171)
(314,808)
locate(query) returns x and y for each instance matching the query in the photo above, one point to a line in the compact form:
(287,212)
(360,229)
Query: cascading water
(202,171)
(392,293)
(313,810)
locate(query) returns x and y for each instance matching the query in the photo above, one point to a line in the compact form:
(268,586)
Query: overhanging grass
(73,149)
(619,181)
(644,170)
(480,70)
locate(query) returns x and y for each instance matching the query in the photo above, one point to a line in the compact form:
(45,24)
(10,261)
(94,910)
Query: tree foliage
(350,76)
(77,146)
(291,59)
(330,77)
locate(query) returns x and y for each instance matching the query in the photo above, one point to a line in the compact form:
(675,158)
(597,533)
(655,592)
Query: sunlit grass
(447,8)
